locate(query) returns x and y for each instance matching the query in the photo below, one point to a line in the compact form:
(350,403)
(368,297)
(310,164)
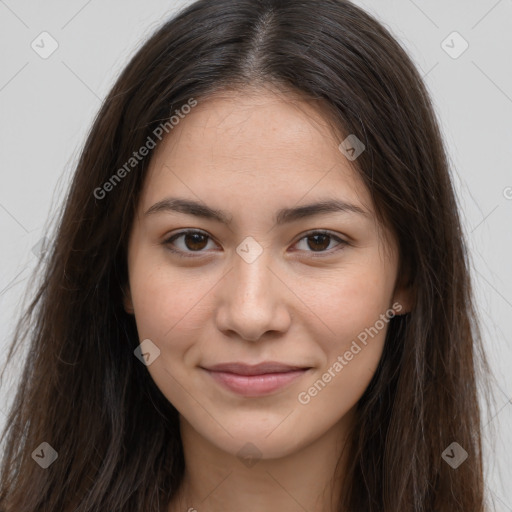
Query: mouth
(255,380)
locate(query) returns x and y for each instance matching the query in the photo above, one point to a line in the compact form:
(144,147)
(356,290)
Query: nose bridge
(252,277)
(252,301)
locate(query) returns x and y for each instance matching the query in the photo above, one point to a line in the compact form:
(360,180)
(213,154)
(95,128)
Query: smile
(253,385)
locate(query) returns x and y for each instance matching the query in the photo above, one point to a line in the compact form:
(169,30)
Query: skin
(301,301)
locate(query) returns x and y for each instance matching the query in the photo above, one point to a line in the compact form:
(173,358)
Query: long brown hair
(85,394)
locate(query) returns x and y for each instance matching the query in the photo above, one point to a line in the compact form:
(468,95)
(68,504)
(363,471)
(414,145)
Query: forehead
(259,143)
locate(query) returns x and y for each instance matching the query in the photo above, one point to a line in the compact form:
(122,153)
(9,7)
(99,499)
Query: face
(247,275)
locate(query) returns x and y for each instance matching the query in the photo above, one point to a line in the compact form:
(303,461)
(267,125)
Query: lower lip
(256,385)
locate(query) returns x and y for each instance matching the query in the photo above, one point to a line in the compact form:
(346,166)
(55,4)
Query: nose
(252,300)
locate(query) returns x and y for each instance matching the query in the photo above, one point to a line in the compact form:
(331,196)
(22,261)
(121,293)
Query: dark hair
(85,393)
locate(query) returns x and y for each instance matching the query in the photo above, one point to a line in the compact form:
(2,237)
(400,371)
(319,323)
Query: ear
(127,300)
(403,299)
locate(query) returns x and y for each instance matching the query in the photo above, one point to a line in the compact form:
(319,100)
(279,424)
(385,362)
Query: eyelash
(315,254)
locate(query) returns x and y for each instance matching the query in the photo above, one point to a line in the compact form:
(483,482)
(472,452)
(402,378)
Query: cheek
(355,307)
(166,300)
(358,314)
(168,311)
(350,302)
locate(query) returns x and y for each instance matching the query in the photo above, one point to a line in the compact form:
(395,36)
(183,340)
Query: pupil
(323,246)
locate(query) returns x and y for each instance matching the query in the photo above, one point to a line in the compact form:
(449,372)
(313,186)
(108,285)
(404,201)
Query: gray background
(47,107)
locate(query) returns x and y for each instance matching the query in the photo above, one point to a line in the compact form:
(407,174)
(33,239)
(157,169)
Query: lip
(255,380)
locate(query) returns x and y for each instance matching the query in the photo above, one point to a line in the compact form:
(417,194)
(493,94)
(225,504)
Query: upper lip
(257,369)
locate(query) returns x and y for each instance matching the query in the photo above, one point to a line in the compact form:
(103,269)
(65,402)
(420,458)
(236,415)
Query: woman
(258,296)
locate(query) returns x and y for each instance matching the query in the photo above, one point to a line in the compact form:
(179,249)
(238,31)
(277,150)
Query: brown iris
(317,243)
(193,241)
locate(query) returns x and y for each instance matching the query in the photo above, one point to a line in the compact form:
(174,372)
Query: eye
(193,241)
(319,241)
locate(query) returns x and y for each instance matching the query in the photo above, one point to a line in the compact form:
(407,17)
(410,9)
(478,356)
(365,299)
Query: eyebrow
(284,216)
